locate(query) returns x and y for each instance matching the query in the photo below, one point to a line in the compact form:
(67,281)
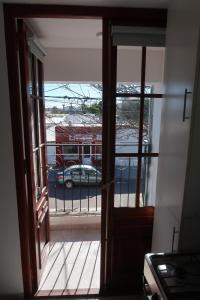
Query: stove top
(179,274)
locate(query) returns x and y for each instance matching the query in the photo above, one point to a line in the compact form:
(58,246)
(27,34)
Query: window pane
(42,165)
(70,152)
(155,57)
(86,151)
(33,124)
(129,68)
(98,152)
(127,125)
(70,149)
(76,172)
(125,181)
(90,173)
(36,78)
(30,86)
(36,174)
(148,180)
(151,125)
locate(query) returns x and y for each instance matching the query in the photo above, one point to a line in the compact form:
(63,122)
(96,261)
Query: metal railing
(73,189)
(80,192)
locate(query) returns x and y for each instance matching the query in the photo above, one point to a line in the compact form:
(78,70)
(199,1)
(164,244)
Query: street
(88,198)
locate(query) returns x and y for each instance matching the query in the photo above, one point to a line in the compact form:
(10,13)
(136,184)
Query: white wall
(83,65)
(152,178)
(10,261)
(190,223)
(181,50)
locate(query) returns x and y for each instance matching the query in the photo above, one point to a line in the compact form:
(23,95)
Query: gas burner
(173,276)
(192,268)
(170,270)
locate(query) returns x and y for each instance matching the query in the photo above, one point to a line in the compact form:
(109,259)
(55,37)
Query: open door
(31,75)
(129,215)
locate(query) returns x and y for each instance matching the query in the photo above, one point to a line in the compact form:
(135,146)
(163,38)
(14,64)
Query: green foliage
(54,110)
(128,113)
(95,108)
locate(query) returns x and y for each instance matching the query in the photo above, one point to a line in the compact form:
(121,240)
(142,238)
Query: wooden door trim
(26,117)
(18,146)
(107,156)
(128,16)
(119,15)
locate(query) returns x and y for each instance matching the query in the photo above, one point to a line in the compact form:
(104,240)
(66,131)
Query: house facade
(79,145)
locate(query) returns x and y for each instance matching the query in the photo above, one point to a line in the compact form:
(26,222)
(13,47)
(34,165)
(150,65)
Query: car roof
(81,166)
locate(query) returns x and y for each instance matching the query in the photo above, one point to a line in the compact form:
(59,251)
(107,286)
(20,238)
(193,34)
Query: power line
(61,86)
(74,98)
(76,93)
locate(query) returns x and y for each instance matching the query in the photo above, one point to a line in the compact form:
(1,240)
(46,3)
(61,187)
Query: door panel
(42,226)
(31,73)
(131,239)
(129,219)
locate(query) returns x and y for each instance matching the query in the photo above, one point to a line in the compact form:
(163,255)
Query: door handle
(173,237)
(185,104)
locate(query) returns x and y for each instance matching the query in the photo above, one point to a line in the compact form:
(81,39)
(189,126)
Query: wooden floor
(73,268)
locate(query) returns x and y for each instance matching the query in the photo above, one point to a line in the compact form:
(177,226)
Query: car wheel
(68,184)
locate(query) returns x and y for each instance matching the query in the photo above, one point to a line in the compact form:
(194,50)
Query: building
(78,140)
(177,200)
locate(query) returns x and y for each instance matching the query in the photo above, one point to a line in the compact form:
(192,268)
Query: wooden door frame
(128,16)
(25,104)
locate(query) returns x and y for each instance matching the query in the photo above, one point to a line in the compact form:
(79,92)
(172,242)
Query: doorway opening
(29,122)
(71,58)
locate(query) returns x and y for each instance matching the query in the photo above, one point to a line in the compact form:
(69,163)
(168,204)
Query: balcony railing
(74,191)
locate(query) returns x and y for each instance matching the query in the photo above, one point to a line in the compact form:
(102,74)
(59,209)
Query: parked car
(79,175)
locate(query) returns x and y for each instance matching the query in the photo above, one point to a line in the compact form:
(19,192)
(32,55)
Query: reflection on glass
(30,84)
(151,125)
(36,175)
(129,88)
(33,122)
(148,180)
(98,152)
(127,125)
(132,88)
(125,181)
(42,164)
(155,57)
(129,61)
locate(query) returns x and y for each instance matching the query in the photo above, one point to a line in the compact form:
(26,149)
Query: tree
(128,114)
(54,110)
(127,110)
(95,108)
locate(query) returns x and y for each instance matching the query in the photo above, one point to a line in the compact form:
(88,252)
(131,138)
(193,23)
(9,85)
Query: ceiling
(67,33)
(117,3)
(78,33)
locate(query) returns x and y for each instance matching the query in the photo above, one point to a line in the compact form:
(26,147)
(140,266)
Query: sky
(55,93)
(78,93)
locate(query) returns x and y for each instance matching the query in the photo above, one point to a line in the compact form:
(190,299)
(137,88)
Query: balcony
(73,265)
(74,186)
(75,190)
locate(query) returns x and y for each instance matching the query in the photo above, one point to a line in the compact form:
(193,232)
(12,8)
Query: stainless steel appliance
(172,276)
